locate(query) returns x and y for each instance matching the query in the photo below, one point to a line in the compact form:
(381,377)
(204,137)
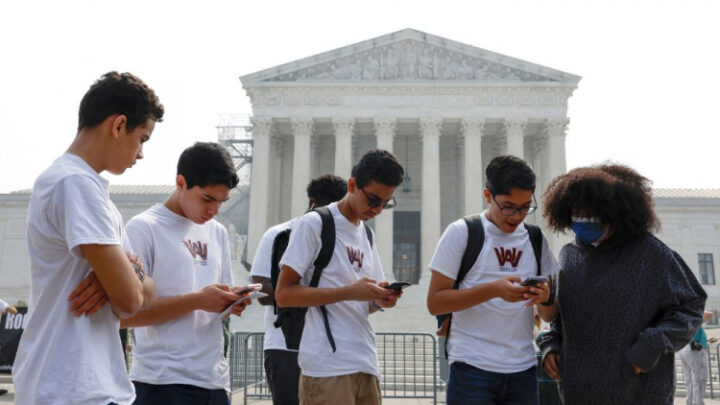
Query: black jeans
(178,394)
(283,375)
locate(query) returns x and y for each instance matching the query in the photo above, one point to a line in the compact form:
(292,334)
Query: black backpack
(292,319)
(476,240)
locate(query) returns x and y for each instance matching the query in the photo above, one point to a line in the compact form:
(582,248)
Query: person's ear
(119,125)
(488,195)
(180,182)
(351,185)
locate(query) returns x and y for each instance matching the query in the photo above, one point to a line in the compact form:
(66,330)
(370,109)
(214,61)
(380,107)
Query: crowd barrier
(408,365)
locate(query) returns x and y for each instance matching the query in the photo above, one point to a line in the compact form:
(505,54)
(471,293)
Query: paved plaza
(6,383)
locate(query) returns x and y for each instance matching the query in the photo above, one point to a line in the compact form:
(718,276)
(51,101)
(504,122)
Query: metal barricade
(247,372)
(408,365)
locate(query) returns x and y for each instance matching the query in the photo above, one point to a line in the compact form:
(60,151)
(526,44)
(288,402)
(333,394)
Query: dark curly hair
(378,165)
(119,93)
(327,189)
(616,194)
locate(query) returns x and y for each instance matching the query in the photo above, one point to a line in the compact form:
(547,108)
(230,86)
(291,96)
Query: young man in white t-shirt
(75,235)
(281,365)
(350,288)
(490,344)
(178,357)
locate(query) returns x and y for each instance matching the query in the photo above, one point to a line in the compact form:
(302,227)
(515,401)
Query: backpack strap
(327,237)
(536,240)
(476,240)
(278,249)
(369,233)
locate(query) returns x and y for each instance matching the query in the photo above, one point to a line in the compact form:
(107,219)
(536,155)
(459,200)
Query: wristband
(551,299)
(376,306)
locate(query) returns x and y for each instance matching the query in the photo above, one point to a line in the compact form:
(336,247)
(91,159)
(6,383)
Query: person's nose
(214,207)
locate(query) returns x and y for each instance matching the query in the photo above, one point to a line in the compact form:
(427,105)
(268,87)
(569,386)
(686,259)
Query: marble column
(515,137)
(276,182)
(259,186)
(343,146)
(430,201)
(537,150)
(302,129)
(385,132)
(555,130)
(472,130)
(556,165)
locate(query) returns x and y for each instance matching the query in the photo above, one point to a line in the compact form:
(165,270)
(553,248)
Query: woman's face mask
(587,230)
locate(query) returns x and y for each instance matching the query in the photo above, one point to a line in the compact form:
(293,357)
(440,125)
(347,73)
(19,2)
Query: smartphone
(532,281)
(398,285)
(252,295)
(250,288)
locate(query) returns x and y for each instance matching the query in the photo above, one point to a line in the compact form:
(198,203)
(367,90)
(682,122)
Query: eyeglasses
(510,211)
(374,202)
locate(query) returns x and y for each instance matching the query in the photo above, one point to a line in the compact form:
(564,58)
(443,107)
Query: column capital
(557,127)
(343,125)
(261,126)
(302,126)
(385,125)
(514,125)
(430,126)
(472,126)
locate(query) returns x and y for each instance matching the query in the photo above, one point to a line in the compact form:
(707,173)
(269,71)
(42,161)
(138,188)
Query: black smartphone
(398,285)
(533,281)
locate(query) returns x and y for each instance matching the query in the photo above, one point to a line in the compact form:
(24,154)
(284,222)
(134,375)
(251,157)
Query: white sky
(649,96)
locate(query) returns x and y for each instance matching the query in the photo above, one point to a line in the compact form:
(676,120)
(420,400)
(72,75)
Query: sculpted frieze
(407,61)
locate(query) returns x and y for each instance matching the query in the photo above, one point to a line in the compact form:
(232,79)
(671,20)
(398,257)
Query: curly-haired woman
(627,302)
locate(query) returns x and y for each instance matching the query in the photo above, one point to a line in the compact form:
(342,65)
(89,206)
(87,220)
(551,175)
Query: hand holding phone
(398,286)
(533,281)
(250,288)
(252,295)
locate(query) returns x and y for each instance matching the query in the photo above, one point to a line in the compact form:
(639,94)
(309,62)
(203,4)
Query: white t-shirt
(181,257)
(352,259)
(63,359)
(495,335)
(274,338)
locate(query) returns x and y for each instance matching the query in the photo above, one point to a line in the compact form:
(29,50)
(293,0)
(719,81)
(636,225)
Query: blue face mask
(587,230)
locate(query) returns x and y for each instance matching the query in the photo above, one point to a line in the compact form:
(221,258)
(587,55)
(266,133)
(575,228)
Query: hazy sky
(649,97)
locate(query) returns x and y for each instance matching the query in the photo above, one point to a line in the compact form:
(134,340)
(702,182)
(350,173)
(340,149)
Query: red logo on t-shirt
(355,256)
(511,256)
(196,249)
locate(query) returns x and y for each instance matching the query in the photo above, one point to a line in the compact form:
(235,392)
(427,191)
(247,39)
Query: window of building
(707,269)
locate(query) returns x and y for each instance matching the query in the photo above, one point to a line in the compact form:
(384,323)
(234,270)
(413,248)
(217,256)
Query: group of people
(619,301)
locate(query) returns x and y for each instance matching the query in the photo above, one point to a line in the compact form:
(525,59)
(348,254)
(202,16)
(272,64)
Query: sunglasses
(374,202)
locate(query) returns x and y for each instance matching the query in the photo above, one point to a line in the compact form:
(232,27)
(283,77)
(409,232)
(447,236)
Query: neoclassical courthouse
(444,109)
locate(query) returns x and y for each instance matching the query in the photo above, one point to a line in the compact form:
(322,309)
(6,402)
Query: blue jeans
(178,394)
(470,385)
